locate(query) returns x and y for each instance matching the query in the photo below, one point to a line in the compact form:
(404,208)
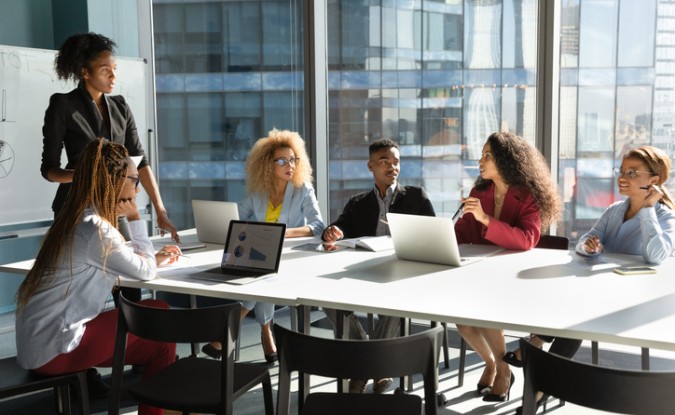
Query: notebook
(252,251)
(432,239)
(212,219)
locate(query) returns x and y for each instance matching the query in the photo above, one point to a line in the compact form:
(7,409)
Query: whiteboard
(27,80)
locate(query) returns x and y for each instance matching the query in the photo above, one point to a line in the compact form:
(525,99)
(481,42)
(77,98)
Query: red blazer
(518,226)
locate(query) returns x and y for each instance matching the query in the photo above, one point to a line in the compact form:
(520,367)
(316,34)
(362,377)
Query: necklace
(498,204)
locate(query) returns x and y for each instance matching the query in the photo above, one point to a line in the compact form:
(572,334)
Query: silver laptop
(252,251)
(212,219)
(432,239)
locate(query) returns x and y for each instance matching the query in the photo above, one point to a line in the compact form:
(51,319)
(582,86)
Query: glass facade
(616,92)
(437,76)
(226,73)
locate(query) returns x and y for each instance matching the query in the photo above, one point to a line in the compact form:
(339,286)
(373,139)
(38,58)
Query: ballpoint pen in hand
(172,254)
(458,214)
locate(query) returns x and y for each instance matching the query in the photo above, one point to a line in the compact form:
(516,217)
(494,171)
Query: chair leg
(446,347)
(594,352)
(62,400)
(462,362)
(645,358)
(82,392)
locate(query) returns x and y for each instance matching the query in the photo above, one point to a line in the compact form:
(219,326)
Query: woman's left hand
(168,255)
(654,194)
(165,225)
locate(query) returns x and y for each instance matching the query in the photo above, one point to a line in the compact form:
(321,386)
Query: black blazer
(361,213)
(72,121)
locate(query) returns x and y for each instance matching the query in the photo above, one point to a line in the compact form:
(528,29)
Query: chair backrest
(177,325)
(358,359)
(553,242)
(591,386)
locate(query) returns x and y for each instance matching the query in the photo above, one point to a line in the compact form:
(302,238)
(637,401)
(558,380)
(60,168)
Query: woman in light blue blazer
(644,223)
(279,184)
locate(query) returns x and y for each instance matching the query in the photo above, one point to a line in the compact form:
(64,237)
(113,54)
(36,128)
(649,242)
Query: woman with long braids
(61,325)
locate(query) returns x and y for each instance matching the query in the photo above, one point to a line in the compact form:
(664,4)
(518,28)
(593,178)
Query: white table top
(543,291)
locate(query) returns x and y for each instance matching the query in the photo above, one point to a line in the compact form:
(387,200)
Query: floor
(460,400)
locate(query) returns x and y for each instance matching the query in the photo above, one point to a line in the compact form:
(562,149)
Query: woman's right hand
(332,234)
(592,245)
(472,205)
(128,208)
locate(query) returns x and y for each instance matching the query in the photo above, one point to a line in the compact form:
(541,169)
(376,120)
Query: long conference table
(551,292)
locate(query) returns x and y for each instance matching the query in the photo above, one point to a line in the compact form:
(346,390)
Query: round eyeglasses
(284,162)
(135,179)
(630,173)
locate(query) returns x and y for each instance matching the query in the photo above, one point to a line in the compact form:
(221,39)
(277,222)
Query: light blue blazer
(299,208)
(650,233)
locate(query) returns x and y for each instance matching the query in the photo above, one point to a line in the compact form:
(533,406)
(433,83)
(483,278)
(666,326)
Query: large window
(227,73)
(616,92)
(437,76)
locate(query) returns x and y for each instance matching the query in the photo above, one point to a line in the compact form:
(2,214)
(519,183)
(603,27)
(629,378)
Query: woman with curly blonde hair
(279,182)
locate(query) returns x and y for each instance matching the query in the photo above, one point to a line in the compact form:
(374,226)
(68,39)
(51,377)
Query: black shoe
(271,357)
(211,351)
(95,386)
(482,388)
(510,358)
(540,402)
(491,397)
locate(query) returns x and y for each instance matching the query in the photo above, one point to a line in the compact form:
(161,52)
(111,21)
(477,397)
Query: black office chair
(354,359)
(190,384)
(591,386)
(545,241)
(15,381)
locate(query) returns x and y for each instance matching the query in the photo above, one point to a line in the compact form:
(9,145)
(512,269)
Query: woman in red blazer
(512,200)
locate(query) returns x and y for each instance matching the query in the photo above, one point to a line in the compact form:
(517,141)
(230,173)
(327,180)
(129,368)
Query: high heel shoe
(540,402)
(269,357)
(482,388)
(491,397)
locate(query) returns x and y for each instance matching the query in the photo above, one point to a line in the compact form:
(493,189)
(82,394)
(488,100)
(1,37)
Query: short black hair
(378,145)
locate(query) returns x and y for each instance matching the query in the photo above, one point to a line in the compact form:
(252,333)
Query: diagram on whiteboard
(6,159)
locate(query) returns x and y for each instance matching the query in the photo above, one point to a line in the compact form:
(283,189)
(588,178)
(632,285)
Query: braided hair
(98,182)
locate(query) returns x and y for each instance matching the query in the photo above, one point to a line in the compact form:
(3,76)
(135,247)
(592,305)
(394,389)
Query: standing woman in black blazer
(88,112)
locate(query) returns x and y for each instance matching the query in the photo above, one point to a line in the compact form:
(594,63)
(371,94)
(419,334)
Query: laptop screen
(254,246)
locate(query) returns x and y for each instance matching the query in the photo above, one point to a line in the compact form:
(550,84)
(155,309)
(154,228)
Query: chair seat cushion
(355,404)
(194,383)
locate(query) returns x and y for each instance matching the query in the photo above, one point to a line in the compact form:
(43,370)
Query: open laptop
(432,239)
(252,251)
(212,219)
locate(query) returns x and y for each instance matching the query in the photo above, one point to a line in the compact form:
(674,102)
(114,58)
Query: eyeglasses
(135,179)
(284,162)
(630,173)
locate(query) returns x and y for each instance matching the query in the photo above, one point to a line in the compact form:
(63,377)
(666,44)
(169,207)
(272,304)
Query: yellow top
(272,214)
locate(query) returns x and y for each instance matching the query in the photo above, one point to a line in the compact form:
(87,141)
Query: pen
(458,213)
(172,254)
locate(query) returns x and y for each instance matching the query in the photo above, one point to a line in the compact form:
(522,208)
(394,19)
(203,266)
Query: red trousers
(98,346)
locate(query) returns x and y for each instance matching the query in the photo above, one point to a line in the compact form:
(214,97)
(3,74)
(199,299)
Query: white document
(371,243)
